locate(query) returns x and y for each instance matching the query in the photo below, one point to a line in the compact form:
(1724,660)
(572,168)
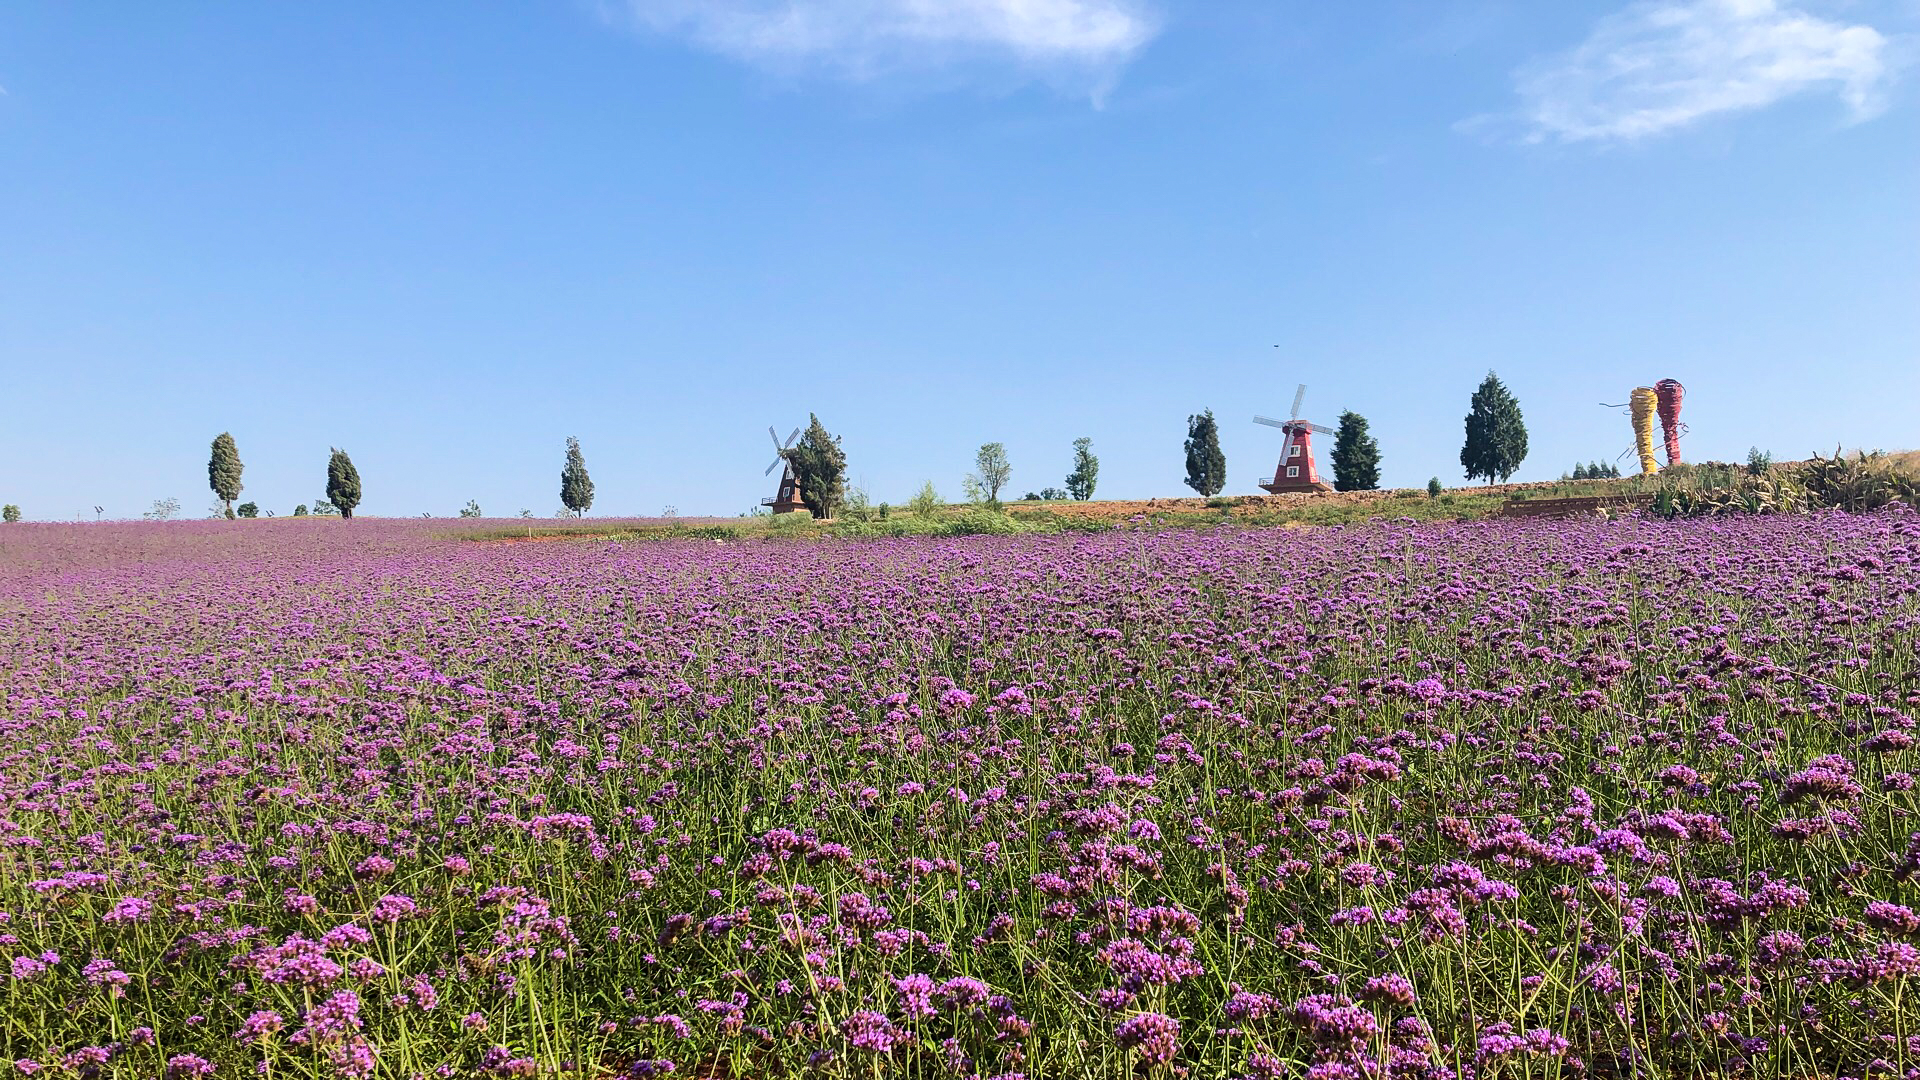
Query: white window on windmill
(1294,450)
(1293,470)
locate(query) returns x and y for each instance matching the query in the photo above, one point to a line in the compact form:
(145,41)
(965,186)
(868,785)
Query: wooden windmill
(1296,471)
(787,499)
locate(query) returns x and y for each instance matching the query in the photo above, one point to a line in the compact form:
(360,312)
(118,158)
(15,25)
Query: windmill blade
(1321,428)
(777,462)
(795,434)
(1270,422)
(775,436)
(1298,396)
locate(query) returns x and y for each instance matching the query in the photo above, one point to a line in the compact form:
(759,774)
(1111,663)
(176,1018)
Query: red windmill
(1296,471)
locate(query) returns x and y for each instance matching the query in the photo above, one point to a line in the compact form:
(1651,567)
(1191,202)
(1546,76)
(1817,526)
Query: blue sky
(448,236)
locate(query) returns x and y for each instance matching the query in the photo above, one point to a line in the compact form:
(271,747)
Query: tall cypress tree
(576,487)
(1206,463)
(223,470)
(819,468)
(1086,470)
(1496,433)
(343,483)
(1356,456)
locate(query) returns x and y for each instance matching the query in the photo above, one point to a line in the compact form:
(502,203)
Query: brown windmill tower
(1296,471)
(787,499)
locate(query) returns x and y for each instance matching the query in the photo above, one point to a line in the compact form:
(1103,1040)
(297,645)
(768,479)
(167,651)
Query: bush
(9,513)
(247,510)
(926,502)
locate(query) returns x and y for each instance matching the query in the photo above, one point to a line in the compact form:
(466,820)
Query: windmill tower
(1296,471)
(787,499)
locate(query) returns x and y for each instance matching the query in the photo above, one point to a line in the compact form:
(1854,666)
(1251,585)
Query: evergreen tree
(1206,464)
(1496,433)
(1580,472)
(1086,470)
(576,487)
(1356,456)
(343,485)
(223,471)
(991,470)
(1433,488)
(819,468)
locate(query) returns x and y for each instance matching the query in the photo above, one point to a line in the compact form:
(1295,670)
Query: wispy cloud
(1662,65)
(869,38)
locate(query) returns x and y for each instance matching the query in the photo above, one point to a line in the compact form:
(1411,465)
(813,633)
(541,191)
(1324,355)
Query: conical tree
(1086,471)
(1356,456)
(1206,463)
(223,470)
(576,487)
(1496,433)
(819,469)
(343,483)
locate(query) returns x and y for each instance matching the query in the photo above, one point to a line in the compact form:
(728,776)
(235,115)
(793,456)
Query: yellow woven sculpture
(1645,404)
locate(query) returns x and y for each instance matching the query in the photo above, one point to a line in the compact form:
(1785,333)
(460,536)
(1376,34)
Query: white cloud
(1659,66)
(864,38)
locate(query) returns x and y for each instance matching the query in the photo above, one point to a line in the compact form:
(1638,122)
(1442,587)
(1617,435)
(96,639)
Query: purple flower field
(1549,799)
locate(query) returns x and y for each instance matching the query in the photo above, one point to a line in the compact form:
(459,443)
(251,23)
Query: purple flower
(1154,1036)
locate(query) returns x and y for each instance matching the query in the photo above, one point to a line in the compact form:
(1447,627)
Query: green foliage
(223,471)
(1086,470)
(819,468)
(10,513)
(343,485)
(1758,461)
(300,511)
(991,470)
(1496,433)
(858,506)
(1046,494)
(1579,472)
(926,502)
(1206,463)
(576,487)
(1433,488)
(1356,456)
(973,522)
(1859,484)
(323,508)
(471,510)
(248,510)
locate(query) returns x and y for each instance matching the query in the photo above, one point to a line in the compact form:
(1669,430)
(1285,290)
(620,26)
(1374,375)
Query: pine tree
(1580,473)
(343,484)
(1086,470)
(1496,433)
(576,487)
(819,468)
(223,471)
(1206,464)
(1356,456)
